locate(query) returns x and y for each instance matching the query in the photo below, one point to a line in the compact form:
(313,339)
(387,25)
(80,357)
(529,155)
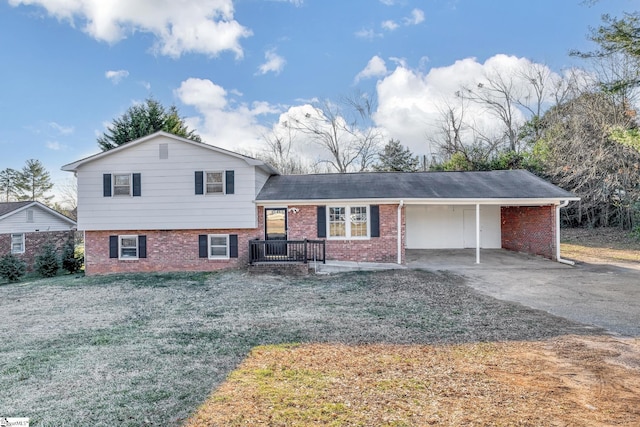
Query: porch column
(477,233)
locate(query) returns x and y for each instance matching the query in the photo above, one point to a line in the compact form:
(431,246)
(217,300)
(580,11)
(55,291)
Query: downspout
(558,258)
(400,231)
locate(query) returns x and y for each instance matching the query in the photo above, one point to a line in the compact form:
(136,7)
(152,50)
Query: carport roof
(503,184)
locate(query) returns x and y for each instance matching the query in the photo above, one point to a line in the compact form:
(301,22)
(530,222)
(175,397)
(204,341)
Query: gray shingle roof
(504,184)
(8,207)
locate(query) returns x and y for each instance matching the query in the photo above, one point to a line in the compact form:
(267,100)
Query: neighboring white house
(26,226)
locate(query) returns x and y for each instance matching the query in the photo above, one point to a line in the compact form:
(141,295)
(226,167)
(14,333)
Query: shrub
(70,261)
(47,263)
(12,268)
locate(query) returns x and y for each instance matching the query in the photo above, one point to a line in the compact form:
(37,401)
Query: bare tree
(278,152)
(344,131)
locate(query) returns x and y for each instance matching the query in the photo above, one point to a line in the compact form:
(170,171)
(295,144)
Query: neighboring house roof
(502,184)
(73,167)
(9,208)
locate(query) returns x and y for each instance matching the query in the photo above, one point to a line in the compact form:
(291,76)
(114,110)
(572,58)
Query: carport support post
(477,233)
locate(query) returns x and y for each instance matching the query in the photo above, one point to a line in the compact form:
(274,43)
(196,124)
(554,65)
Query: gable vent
(164,151)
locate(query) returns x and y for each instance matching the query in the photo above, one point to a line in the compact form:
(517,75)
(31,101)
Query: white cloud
(54,145)
(376,67)
(274,63)
(410,102)
(389,25)
(145,84)
(223,121)
(296,3)
(388,2)
(116,76)
(417,17)
(188,26)
(62,130)
(367,34)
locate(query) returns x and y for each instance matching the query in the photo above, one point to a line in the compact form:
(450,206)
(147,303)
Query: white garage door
(451,227)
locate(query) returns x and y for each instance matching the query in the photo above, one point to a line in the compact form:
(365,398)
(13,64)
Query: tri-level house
(165,203)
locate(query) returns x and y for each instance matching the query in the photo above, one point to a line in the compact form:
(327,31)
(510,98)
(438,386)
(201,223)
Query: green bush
(12,268)
(47,263)
(70,261)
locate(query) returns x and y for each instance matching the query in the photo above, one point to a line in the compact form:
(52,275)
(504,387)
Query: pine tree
(9,184)
(34,181)
(142,120)
(396,158)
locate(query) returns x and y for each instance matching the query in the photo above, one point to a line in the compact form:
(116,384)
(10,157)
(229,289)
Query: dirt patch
(571,380)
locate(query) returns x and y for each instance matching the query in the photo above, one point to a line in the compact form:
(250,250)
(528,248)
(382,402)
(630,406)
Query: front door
(275,228)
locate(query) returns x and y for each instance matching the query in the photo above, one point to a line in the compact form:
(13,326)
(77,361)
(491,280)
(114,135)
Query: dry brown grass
(600,245)
(564,381)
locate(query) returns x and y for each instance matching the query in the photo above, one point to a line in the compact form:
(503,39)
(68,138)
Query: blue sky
(234,68)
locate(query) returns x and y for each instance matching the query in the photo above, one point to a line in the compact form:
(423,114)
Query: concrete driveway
(607,296)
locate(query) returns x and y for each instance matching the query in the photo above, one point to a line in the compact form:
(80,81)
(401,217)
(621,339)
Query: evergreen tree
(142,120)
(47,263)
(9,184)
(396,158)
(34,181)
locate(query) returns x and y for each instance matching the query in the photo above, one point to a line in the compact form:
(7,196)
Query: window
(17,243)
(218,246)
(215,183)
(121,185)
(128,247)
(348,222)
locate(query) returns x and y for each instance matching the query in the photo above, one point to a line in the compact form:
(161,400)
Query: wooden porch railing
(300,251)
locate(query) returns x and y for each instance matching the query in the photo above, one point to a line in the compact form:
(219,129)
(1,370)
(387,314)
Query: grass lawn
(149,349)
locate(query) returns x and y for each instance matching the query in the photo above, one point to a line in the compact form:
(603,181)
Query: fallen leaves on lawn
(571,380)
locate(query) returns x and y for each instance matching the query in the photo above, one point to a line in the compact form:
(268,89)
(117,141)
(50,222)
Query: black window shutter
(203,246)
(375,220)
(199,184)
(142,246)
(322,221)
(106,185)
(233,246)
(137,188)
(113,246)
(229,181)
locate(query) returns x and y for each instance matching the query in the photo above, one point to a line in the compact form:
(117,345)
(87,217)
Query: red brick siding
(303,224)
(529,229)
(167,250)
(33,243)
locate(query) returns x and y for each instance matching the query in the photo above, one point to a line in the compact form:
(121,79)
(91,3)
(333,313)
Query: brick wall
(303,224)
(33,243)
(167,250)
(529,229)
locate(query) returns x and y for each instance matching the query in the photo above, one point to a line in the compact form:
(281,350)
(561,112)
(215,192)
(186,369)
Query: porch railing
(300,251)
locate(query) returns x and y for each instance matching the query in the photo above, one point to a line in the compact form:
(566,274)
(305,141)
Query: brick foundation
(303,224)
(33,243)
(167,250)
(529,229)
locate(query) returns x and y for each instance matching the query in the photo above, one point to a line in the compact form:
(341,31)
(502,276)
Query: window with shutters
(348,222)
(128,247)
(121,184)
(215,183)
(17,243)
(218,246)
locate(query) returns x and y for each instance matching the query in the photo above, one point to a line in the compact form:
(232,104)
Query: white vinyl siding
(169,201)
(43,220)
(218,246)
(17,243)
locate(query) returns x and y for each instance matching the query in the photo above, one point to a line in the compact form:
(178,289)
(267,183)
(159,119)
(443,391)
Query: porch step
(345,266)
